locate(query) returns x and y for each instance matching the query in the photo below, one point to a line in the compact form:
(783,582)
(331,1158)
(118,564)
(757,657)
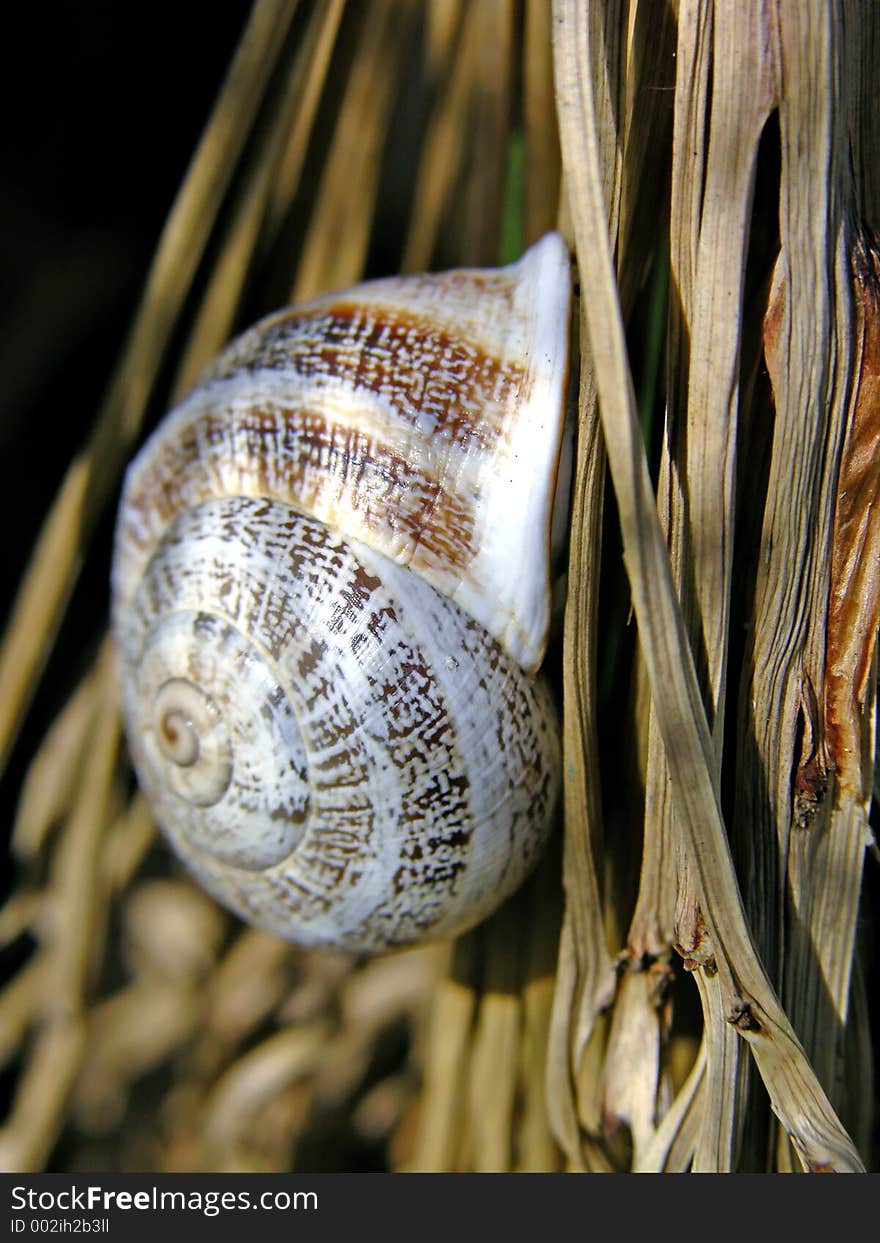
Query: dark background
(103,104)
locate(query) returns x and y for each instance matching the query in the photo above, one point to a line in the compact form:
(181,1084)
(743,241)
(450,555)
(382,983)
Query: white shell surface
(421,416)
(375,769)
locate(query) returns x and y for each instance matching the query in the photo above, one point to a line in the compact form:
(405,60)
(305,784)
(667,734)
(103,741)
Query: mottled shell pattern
(331,592)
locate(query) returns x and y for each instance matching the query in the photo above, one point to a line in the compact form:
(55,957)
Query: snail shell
(330,596)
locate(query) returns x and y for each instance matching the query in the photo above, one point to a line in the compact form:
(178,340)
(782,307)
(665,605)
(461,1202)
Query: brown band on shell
(343,750)
(429,375)
(337,472)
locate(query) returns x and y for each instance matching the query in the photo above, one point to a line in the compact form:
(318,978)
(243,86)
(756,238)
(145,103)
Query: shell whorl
(420,415)
(331,584)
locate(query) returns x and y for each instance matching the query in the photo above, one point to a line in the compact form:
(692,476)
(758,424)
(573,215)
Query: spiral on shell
(330,599)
